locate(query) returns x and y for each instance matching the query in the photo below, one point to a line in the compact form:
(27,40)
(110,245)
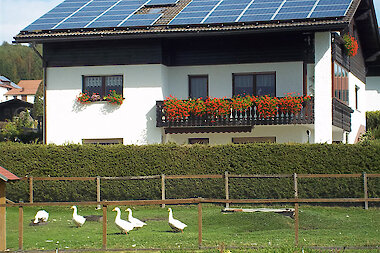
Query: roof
(6,175)
(4,79)
(171,22)
(4,85)
(17,102)
(28,87)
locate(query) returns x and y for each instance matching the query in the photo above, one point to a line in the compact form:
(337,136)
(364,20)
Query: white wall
(134,121)
(283,134)
(372,94)
(2,92)
(289,77)
(29,98)
(358,120)
(323,84)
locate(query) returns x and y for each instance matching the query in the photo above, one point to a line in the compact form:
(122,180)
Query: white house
(25,91)
(5,86)
(372,87)
(149,50)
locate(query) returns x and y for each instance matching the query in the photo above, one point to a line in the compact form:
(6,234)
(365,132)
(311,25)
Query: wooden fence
(193,201)
(226,177)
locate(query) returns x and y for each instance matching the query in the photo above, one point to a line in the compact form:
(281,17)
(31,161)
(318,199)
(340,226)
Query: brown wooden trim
(192,176)
(328,175)
(198,200)
(3,231)
(197,76)
(183,130)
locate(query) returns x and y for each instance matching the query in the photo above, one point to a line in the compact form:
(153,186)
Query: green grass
(319,226)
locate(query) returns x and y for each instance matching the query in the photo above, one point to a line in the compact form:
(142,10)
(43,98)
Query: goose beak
(114,209)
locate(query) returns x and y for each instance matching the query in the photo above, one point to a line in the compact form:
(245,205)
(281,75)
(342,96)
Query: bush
(373,120)
(119,160)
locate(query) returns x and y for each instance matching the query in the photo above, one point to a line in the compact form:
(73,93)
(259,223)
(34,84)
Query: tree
(38,106)
(20,62)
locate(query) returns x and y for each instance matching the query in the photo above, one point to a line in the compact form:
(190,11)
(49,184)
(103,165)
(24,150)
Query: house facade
(148,63)
(25,91)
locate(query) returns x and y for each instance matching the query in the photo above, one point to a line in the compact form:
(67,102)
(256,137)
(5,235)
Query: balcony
(341,115)
(236,121)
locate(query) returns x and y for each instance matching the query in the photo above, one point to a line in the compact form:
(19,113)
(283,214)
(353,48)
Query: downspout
(44,64)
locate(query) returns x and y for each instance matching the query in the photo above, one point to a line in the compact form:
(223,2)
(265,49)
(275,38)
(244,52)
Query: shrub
(119,160)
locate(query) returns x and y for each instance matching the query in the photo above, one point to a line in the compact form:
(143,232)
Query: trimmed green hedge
(120,160)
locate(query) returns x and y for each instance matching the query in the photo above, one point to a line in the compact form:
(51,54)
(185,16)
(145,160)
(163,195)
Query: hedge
(120,160)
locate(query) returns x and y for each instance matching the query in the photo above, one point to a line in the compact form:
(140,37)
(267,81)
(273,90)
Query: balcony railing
(341,115)
(236,119)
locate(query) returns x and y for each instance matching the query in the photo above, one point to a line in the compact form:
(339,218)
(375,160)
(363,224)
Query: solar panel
(73,14)
(161,2)
(141,20)
(229,11)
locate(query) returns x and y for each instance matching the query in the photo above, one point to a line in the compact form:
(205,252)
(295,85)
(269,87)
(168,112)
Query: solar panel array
(77,14)
(227,11)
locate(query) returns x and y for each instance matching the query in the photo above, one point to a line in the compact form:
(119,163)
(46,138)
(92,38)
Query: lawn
(319,226)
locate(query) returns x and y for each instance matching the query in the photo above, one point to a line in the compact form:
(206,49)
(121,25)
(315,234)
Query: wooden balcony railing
(341,115)
(237,119)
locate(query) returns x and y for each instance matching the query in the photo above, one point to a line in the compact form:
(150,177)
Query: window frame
(197,76)
(103,83)
(200,141)
(340,83)
(254,84)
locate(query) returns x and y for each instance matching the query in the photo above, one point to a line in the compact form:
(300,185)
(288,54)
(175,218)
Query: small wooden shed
(5,176)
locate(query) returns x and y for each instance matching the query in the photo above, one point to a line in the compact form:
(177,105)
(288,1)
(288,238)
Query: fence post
(31,189)
(365,187)
(98,191)
(226,188)
(3,231)
(199,224)
(104,226)
(20,227)
(296,218)
(296,223)
(163,189)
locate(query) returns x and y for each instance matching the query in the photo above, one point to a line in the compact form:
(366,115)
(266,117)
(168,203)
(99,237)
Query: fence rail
(226,177)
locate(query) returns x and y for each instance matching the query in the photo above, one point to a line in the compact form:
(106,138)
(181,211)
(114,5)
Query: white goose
(123,225)
(136,222)
(176,225)
(78,219)
(41,216)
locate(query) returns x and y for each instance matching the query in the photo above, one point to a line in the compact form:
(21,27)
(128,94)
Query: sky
(17,14)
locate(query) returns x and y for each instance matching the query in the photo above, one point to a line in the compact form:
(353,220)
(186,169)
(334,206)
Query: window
(340,83)
(242,140)
(102,84)
(357,97)
(103,141)
(199,141)
(23,97)
(259,84)
(198,86)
